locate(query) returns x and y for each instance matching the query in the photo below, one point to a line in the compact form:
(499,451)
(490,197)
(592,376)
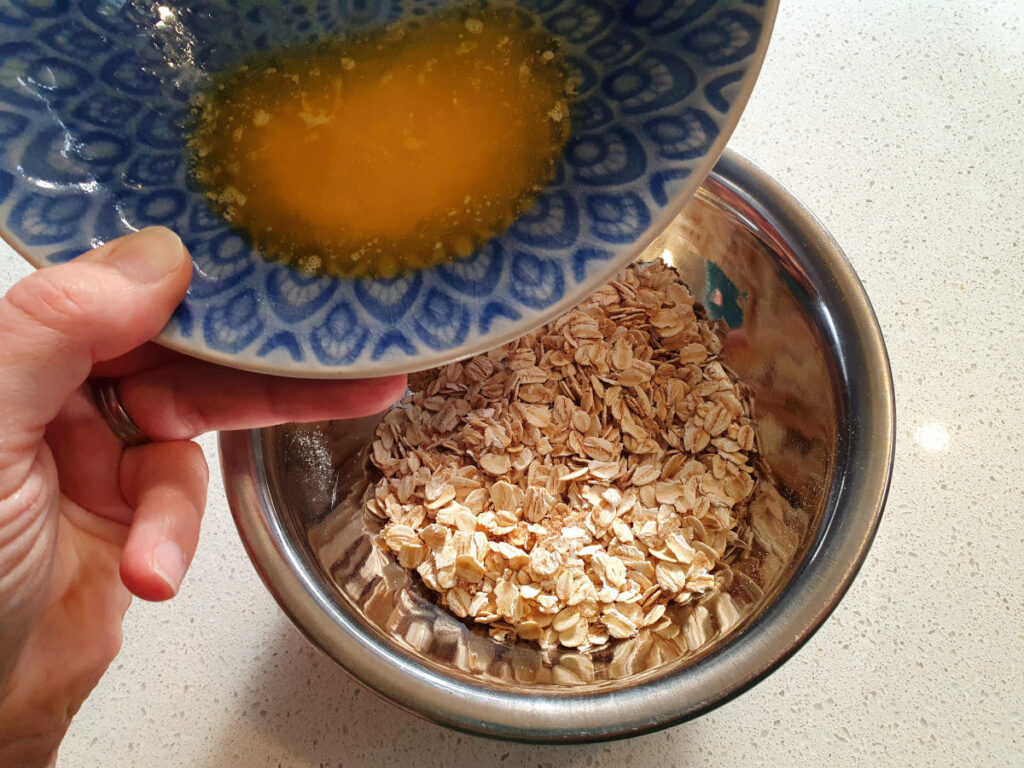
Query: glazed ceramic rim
(423,360)
(839,545)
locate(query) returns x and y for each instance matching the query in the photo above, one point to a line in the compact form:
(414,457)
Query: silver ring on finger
(108,402)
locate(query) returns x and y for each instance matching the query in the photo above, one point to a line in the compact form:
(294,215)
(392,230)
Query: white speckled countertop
(901,124)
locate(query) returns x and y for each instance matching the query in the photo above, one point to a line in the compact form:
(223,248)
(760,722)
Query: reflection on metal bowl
(801,335)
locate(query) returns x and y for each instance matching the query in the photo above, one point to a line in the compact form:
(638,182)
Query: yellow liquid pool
(389,153)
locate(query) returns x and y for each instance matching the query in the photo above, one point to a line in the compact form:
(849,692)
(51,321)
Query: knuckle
(200,475)
(190,469)
(201,467)
(190,419)
(278,405)
(46,300)
(194,461)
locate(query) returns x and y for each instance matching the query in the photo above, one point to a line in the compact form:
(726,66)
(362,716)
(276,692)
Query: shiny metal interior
(801,335)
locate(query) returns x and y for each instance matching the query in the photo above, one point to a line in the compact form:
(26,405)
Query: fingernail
(169,564)
(149,255)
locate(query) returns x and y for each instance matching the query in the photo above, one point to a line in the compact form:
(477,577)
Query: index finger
(186,397)
(139,359)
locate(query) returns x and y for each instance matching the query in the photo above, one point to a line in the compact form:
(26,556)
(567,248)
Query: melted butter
(389,153)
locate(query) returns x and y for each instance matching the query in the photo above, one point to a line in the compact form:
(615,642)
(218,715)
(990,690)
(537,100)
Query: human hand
(85,522)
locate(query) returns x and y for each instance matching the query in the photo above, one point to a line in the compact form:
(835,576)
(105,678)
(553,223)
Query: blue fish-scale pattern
(94,98)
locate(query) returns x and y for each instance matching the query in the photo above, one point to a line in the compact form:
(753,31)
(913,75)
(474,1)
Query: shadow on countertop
(303,710)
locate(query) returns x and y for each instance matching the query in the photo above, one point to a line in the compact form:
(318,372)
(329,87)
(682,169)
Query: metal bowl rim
(781,628)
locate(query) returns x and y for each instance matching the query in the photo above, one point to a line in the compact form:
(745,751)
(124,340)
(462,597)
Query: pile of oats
(577,484)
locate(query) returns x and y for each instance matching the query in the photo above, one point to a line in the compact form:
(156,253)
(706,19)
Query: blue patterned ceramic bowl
(93,95)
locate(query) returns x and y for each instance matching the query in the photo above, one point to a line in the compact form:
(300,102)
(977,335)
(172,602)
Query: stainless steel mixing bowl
(802,335)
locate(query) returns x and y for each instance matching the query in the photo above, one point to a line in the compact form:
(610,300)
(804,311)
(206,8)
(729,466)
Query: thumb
(56,323)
